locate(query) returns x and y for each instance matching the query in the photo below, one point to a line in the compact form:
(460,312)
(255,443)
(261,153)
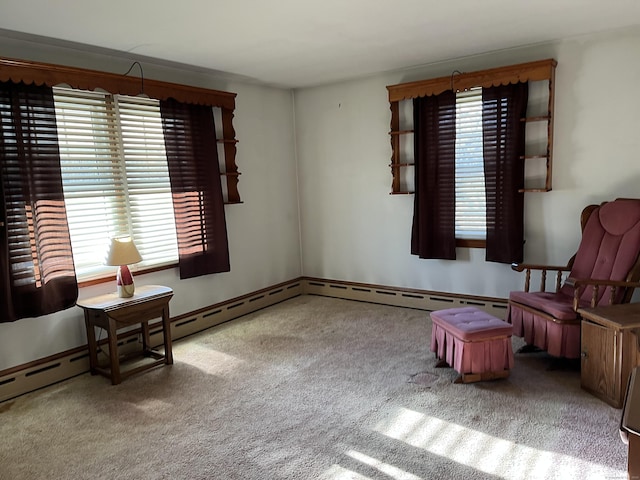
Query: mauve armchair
(605,270)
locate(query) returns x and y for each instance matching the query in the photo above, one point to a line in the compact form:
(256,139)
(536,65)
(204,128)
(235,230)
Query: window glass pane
(93,183)
(115,177)
(470,188)
(149,190)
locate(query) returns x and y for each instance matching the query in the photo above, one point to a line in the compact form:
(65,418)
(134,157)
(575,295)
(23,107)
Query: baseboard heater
(62,366)
(401,297)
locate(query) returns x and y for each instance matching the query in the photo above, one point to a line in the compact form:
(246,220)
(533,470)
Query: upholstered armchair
(605,270)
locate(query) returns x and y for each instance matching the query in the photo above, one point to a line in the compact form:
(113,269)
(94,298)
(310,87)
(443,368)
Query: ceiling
(300,43)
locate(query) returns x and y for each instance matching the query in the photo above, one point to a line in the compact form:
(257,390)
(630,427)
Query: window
(470,190)
(115,177)
(471,204)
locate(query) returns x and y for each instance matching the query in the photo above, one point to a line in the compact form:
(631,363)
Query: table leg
(113,352)
(166,330)
(91,343)
(146,342)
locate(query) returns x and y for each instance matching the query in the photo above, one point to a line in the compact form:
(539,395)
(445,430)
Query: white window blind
(115,177)
(151,209)
(470,186)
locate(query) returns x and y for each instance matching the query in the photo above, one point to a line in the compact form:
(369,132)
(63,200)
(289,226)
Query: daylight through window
(115,177)
(469,173)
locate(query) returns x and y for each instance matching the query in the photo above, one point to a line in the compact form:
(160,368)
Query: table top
(110,301)
(626,315)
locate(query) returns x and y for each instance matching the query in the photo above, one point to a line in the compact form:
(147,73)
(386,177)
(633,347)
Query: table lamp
(123,252)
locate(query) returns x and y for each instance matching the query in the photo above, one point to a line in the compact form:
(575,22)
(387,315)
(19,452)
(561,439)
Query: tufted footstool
(477,345)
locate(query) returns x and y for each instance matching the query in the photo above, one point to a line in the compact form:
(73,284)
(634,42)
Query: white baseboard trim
(22,379)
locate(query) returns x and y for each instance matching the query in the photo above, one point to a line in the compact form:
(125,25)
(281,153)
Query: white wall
(352,229)
(263,231)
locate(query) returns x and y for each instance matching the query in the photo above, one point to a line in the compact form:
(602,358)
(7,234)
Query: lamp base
(124,282)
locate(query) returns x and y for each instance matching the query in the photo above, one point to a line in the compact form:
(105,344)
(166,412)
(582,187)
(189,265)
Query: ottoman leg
(481,377)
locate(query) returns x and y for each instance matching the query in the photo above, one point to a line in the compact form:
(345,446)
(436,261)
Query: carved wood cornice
(532,71)
(51,75)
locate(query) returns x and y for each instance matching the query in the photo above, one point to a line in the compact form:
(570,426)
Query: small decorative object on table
(123,252)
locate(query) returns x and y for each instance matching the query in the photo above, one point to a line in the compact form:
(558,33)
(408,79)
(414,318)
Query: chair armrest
(520,267)
(543,269)
(580,284)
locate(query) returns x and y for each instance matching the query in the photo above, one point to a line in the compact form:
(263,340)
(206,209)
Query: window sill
(111,278)
(468,243)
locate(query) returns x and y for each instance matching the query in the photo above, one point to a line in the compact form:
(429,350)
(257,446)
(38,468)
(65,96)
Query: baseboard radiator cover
(401,297)
(41,373)
(22,379)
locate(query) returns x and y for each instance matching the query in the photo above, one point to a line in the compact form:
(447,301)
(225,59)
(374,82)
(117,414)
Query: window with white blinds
(470,186)
(115,177)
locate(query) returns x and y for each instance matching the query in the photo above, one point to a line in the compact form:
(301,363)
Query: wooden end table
(111,313)
(610,349)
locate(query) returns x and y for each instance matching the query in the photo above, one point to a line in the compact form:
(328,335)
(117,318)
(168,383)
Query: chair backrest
(609,248)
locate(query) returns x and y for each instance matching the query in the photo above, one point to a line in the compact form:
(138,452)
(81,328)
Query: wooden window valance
(52,75)
(524,72)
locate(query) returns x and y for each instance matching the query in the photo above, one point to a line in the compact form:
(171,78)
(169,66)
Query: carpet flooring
(314,388)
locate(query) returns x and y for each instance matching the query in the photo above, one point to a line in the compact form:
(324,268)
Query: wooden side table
(111,313)
(610,350)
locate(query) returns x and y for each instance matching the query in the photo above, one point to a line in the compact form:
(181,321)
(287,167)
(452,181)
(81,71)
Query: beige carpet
(313,388)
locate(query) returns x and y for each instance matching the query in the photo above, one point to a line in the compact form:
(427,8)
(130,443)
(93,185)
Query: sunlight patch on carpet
(389,470)
(484,452)
(209,360)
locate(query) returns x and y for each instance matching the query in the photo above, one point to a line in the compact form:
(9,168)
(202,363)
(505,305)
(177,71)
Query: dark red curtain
(192,154)
(434,211)
(503,107)
(36,261)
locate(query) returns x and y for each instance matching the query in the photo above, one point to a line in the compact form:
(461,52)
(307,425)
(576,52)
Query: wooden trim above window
(52,75)
(523,72)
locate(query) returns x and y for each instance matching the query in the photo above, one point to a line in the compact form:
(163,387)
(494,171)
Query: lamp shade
(122,251)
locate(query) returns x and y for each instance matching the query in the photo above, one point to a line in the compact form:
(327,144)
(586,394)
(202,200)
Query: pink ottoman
(476,344)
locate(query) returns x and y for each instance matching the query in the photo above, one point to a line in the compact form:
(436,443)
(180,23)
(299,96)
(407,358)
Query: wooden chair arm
(520,267)
(529,267)
(582,283)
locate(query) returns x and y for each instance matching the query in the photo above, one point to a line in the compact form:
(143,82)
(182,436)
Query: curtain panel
(503,107)
(36,261)
(434,211)
(192,155)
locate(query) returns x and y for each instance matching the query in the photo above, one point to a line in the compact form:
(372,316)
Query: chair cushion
(620,216)
(471,324)
(609,246)
(558,305)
